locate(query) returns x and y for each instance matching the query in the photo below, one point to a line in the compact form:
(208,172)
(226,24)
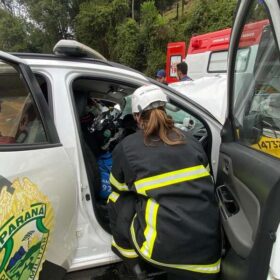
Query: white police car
(58,113)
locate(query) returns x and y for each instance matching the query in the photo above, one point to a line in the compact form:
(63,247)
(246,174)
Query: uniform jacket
(176,221)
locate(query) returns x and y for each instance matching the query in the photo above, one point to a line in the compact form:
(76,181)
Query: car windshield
(182,119)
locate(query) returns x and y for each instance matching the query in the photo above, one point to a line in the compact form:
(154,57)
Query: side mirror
(252,129)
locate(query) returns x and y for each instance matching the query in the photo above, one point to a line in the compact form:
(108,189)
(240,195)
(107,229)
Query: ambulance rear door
(176,53)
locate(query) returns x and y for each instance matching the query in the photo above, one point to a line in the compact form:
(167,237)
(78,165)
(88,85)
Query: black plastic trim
(49,88)
(51,271)
(27,147)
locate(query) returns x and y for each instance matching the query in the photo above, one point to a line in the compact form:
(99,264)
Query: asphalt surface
(96,274)
(88,274)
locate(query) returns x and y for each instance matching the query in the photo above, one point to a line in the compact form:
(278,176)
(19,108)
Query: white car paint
(209,92)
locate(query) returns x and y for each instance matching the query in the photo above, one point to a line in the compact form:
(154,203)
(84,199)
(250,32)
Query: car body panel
(37,181)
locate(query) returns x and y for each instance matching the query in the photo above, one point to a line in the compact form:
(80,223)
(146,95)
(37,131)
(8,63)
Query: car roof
(38,59)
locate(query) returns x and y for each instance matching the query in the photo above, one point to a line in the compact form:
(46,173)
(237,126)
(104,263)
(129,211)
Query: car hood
(209,92)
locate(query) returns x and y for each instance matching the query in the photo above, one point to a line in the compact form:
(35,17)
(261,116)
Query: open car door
(37,187)
(249,167)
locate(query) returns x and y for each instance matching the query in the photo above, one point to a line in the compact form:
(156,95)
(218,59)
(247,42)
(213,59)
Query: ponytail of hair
(157,124)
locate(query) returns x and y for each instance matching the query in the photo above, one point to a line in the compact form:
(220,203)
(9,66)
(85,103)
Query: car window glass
(242,59)
(257,94)
(19,118)
(182,119)
(127,109)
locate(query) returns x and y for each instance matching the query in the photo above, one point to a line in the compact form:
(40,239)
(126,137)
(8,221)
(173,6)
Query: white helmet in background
(147,97)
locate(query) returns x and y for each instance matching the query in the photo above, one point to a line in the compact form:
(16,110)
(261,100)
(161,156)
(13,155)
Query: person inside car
(163,209)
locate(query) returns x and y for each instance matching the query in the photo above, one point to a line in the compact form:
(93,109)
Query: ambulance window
(257,94)
(218,62)
(20,122)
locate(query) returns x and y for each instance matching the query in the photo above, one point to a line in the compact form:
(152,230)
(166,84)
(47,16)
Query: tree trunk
(132,9)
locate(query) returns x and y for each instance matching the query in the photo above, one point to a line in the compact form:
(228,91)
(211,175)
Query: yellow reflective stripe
(170,178)
(113,197)
(117,184)
(200,268)
(128,253)
(150,232)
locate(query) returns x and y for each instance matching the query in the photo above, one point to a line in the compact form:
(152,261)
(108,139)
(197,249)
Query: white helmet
(147,97)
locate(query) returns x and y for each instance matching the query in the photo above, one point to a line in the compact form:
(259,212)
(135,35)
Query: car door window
(257,94)
(20,122)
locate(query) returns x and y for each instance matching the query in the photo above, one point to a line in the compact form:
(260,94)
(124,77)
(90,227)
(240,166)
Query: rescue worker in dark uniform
(163,207)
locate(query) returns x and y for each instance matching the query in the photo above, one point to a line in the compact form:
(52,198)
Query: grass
(172,12)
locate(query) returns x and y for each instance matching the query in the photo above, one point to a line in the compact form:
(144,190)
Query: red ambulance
(207,53)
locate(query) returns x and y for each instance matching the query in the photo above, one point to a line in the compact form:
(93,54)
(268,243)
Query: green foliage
(12,33)
(49,21)
(107,26)
(208,15)
(127,48)
(163,4)
(149,14)
(96,22)
(156,32)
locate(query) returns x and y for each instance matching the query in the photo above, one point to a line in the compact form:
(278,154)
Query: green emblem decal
(26,219)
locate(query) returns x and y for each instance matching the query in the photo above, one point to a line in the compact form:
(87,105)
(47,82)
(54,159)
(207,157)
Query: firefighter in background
(163,208)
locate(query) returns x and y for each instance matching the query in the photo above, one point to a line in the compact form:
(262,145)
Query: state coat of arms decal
(26,220)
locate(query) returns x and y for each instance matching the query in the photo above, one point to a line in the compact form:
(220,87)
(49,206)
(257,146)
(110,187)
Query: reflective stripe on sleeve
(200,268)
(117,184)
(170,178)
(150,232)
(113,197)
(128,253)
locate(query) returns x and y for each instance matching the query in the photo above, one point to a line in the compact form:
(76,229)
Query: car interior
(104,118)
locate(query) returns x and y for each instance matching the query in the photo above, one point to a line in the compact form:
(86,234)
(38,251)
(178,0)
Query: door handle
(227,201)
(226,165)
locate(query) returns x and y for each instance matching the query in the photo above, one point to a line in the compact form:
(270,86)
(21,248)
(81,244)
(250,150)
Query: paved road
(92,274)
(88,274)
